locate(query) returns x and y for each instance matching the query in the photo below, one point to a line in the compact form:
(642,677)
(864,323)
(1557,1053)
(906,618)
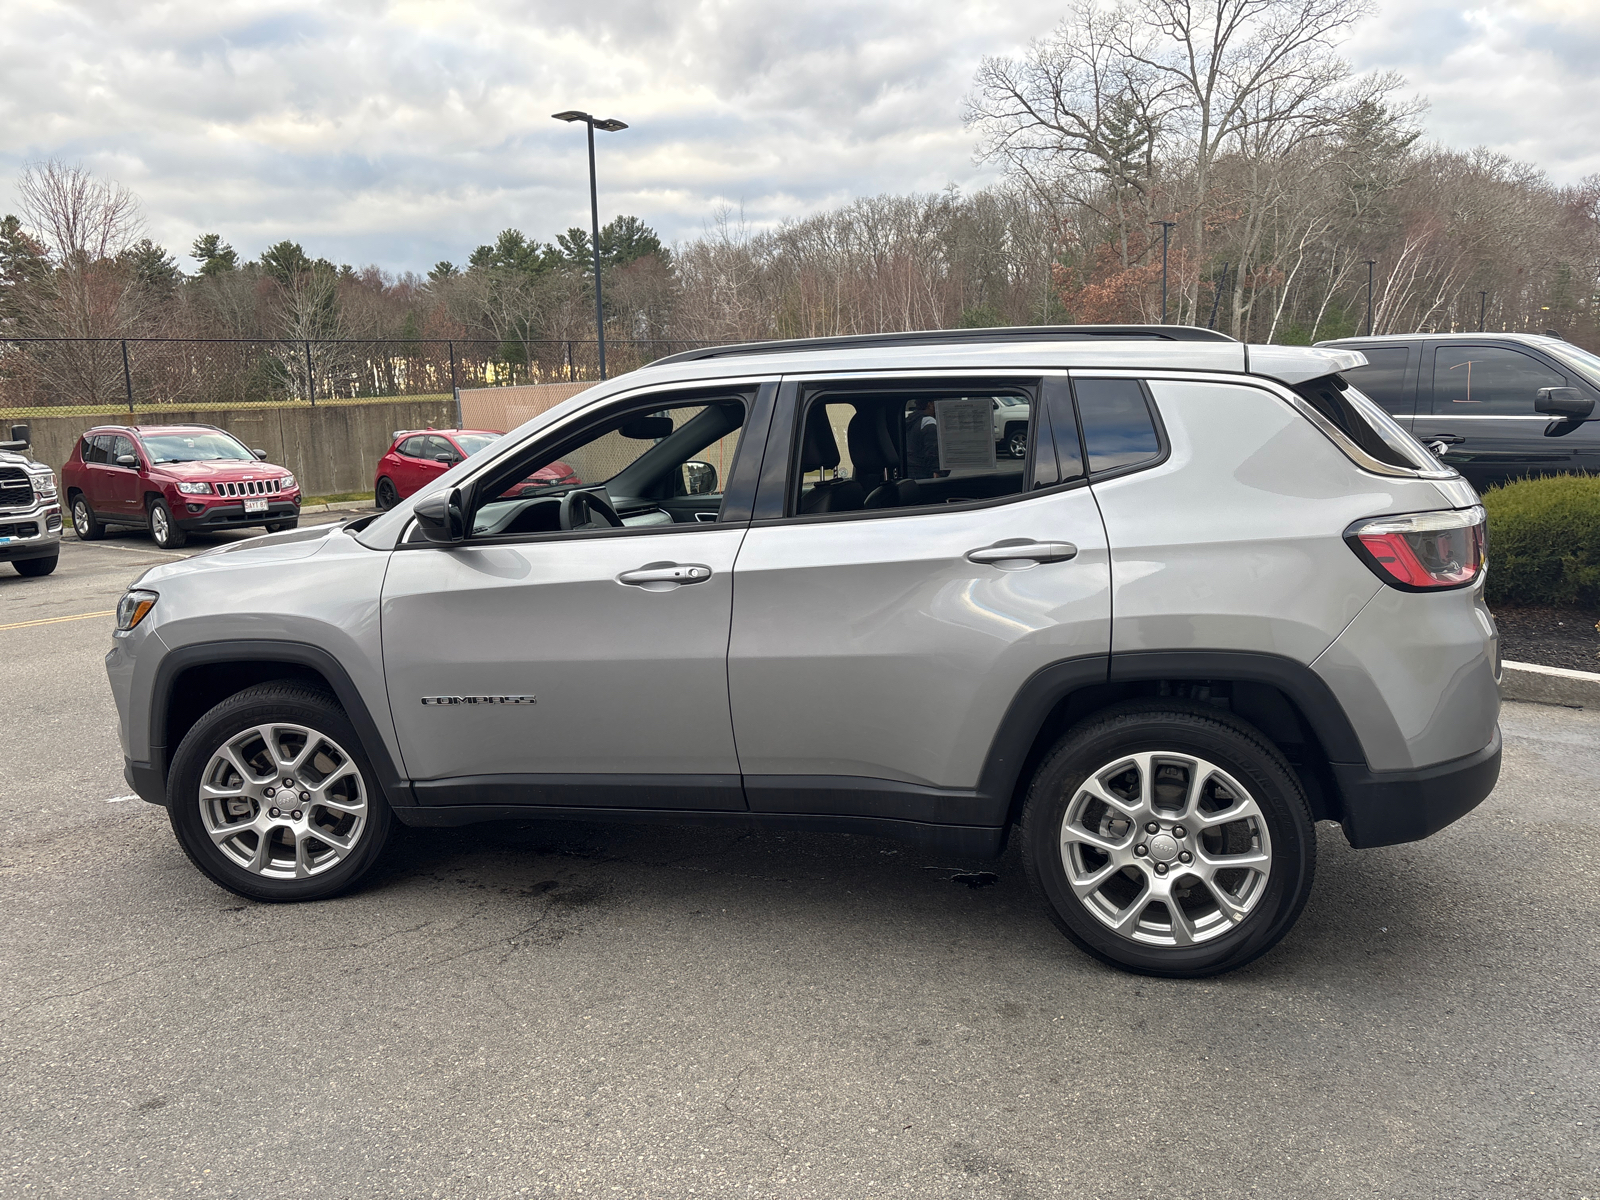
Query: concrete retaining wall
(332,448)
(505,408)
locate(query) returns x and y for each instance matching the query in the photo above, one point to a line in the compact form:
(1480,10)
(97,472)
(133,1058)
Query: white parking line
(120,799)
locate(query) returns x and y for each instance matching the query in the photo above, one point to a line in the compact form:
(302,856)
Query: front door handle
(1015,554)
(665,576)
(1449,439)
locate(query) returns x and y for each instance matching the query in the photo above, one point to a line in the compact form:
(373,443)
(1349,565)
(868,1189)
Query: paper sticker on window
(966,433)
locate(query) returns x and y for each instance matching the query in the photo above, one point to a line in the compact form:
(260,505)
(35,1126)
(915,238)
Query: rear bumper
(225,516)
(1386,808)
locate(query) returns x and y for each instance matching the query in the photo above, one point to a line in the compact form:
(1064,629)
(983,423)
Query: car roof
(141,430)
(1047,348)
(405,433)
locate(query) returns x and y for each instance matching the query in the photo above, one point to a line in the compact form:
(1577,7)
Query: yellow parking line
(110,612)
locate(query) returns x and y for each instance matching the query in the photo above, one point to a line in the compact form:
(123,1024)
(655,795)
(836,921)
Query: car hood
(270,548)
(221,471)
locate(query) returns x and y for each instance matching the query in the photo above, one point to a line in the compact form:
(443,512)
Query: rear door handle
(1015,554)
(665,576)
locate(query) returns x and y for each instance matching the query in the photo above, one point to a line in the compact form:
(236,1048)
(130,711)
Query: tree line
(1220,147)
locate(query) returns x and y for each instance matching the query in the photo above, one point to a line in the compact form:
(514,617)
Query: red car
(419,456)
(174,480)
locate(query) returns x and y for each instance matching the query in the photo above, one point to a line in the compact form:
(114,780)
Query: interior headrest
(818,449)
(872,450)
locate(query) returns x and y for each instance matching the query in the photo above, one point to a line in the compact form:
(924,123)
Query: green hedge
(1544,541)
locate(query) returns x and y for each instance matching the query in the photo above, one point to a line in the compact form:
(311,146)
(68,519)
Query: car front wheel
(34,567)
(272,796)
(1169,838)
(163,529)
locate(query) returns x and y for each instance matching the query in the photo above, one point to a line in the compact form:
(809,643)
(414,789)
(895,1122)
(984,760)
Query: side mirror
(21,438)
(127,460)
(261,454)
(442,518)
(699,478)
(446,458)
(1563,402)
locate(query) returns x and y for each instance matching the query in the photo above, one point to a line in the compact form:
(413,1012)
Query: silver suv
(1221,597)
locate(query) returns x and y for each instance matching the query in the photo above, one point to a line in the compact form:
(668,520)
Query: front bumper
(30,533)
(1386,808)
(225,516)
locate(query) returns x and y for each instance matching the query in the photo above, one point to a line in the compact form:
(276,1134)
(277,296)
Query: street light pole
(1166,231)
(1371,262)
(1483,309)
(610,126)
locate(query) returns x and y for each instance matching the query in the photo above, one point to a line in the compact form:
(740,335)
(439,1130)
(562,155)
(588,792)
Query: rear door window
(898,448)
(1386,377)
(95,449)
(1119,425)
(412,447)
(1488,381)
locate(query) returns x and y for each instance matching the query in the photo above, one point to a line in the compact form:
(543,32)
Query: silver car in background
(1221,596)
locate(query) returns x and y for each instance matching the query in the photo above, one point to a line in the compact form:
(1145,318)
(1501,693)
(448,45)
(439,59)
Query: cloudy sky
(408,131)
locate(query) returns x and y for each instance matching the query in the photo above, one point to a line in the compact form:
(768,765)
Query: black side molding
(966,841)
(669,793)
(1025,717)
(176,662)
(1295,679)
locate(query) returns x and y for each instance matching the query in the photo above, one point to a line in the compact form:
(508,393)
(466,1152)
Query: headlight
(194,489)
(133,608)
(44,486)
(286,484)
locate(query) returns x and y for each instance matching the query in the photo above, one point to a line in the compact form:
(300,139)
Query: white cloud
(408,131)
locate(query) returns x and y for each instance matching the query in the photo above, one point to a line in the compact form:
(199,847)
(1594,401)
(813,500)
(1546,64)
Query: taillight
(1423,552)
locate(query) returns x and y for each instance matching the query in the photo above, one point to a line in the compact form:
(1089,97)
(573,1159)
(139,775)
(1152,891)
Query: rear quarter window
(1119,426)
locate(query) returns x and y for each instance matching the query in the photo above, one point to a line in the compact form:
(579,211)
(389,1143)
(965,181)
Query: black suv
(1495,406)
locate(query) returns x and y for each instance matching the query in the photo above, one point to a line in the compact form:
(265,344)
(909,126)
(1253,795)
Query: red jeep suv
(419,456)
(174,480)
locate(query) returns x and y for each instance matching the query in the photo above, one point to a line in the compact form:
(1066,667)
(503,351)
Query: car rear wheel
(387,495)
(34,567)
(163,529)
(1017,441)
(1169,838)
(272,796)
(84,523)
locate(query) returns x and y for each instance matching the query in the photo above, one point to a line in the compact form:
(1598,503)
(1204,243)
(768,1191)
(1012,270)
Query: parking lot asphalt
(584,1009)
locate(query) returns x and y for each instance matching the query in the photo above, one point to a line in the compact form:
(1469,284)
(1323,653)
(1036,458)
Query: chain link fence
(56,376)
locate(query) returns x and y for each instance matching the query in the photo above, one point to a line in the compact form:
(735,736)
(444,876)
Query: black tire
(84,523)
(1179,728)
(269,703)
(163,528)
(282,526)
(387,495)
(34,567)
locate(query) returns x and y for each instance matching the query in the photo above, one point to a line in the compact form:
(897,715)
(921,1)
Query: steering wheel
(579,509)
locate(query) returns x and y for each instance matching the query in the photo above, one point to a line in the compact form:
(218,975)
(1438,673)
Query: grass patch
(1544,541)
(340,498)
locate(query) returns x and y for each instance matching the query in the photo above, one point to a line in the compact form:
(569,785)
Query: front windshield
(471,443)
(210,446)
(1579,359)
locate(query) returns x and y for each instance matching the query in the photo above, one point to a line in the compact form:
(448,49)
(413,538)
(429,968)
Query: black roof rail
(935,337)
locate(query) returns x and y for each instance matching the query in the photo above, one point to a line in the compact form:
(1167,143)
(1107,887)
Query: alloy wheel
(1165,849)
(80,518)
(283,801)
(160,529)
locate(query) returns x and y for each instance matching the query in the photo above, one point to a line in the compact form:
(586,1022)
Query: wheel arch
(192,680)
(1284,698)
